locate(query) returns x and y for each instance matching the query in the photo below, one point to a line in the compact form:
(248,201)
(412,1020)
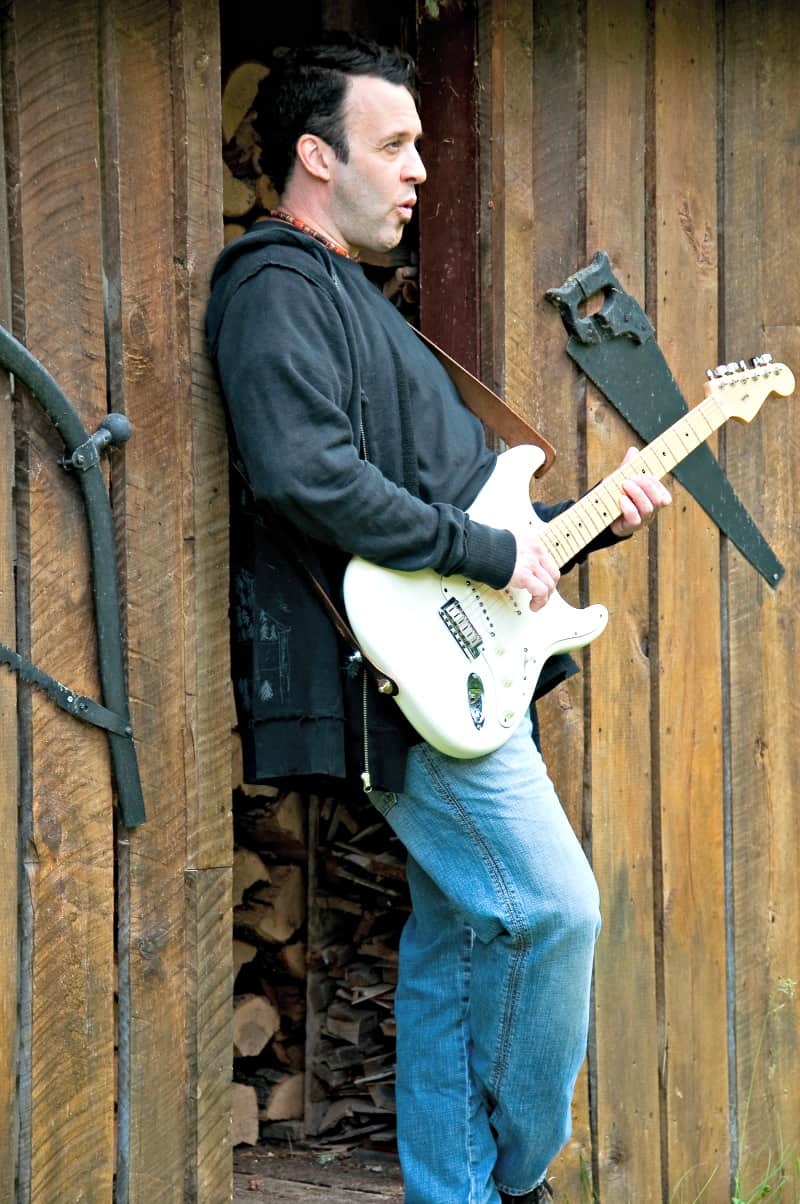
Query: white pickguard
(463,704)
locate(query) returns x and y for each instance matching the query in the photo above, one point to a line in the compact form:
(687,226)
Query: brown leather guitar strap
(495,413)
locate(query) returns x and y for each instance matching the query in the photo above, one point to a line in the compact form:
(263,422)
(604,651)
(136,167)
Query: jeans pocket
(383,800)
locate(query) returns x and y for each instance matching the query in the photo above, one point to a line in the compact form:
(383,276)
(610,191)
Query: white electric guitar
(465,657)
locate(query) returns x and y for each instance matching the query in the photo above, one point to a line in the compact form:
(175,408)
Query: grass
(775,1177)
(781,1173)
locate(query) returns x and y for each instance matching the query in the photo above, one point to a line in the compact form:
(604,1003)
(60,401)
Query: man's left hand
(641,500)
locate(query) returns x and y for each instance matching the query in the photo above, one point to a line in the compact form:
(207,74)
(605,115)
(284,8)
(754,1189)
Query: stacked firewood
(247,193)
(360,906)
(269,916)
(319,902)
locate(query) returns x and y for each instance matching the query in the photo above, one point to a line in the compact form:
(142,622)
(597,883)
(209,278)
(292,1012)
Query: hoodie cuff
(491,555)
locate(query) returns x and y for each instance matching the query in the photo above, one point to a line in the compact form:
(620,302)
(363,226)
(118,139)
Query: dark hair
(304,94)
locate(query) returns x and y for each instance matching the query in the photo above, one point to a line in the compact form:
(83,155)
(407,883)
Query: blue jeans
(495,971)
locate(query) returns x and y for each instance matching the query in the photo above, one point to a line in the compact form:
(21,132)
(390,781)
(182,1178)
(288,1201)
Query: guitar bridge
(461,628)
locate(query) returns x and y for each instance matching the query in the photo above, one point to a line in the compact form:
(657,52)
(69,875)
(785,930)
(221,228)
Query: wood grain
(449,298)
(210,1039)
(209,851)
(553,232)
(9,749)
(199,238)
(66,1063)
(762,312)
(150,348)
(689,753)
(626,1066)
(288,1191)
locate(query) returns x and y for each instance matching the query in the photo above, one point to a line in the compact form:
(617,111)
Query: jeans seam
(510,997)
(465,997)
(489,860)
(514,917)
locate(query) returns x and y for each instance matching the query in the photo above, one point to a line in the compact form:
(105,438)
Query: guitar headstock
(740,389)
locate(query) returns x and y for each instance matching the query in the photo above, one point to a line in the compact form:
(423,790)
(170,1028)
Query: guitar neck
(573,530)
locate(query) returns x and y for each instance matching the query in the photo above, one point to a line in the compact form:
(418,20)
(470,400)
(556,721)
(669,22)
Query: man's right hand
(535,571)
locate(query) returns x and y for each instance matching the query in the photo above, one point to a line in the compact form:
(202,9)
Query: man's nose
(415,168)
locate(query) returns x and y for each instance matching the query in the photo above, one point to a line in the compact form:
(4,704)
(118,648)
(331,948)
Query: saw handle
(619,314)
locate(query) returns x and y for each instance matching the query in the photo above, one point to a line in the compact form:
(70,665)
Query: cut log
(292,959)
(276,912)
(243,954)
(255,1023)
(238,196)
(291,1002)
(248,869)
(342,817)
(239,94)
(277,826)
(380,947)
(293,1056)
(245,1115)
(348,1023)
(286,1099)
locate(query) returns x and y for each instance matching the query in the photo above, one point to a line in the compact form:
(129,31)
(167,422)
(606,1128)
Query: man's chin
(391,240)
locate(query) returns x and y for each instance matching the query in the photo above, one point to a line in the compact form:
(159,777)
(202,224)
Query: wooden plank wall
(666,134)
(111,120)
(67,1054)
(9,767)
(761,303)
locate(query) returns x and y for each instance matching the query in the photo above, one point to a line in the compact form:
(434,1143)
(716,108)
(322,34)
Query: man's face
(371,196)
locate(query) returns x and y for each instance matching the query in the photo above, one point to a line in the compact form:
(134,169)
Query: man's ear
(315,154)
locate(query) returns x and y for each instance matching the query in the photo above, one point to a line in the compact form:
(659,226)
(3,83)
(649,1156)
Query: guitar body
(466,657)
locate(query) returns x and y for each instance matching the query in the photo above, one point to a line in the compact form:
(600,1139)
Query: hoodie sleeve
(286,371)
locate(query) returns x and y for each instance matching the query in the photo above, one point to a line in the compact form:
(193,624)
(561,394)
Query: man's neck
(304,216)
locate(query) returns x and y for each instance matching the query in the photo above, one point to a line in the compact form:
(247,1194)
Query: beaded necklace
(284,215)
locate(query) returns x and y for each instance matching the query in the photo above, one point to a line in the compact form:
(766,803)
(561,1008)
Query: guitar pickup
(461,628)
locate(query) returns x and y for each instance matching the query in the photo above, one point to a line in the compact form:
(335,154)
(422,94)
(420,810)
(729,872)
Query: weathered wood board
(9,760)
(66,1059)
(665,133)
(762,313)
(150,349)
(620,723)
(689,749)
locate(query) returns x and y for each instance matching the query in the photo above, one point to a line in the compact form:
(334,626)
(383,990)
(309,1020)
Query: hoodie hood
(268,242)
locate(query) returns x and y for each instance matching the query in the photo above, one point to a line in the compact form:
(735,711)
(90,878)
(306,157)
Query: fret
(569,533)
(450,706)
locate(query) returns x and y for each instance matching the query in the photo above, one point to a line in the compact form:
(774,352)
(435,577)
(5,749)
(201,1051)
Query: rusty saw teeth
(77,705)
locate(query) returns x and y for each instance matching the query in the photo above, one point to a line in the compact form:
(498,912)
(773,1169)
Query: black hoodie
(348,437)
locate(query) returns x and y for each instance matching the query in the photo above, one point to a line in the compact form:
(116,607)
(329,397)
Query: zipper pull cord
(366,780)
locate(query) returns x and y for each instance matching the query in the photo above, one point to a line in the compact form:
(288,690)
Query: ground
(264,1175)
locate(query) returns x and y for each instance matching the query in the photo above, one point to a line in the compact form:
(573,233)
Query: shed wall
(666,134)
(122,1076)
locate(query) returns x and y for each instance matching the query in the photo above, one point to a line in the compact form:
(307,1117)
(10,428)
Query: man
(351,439)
